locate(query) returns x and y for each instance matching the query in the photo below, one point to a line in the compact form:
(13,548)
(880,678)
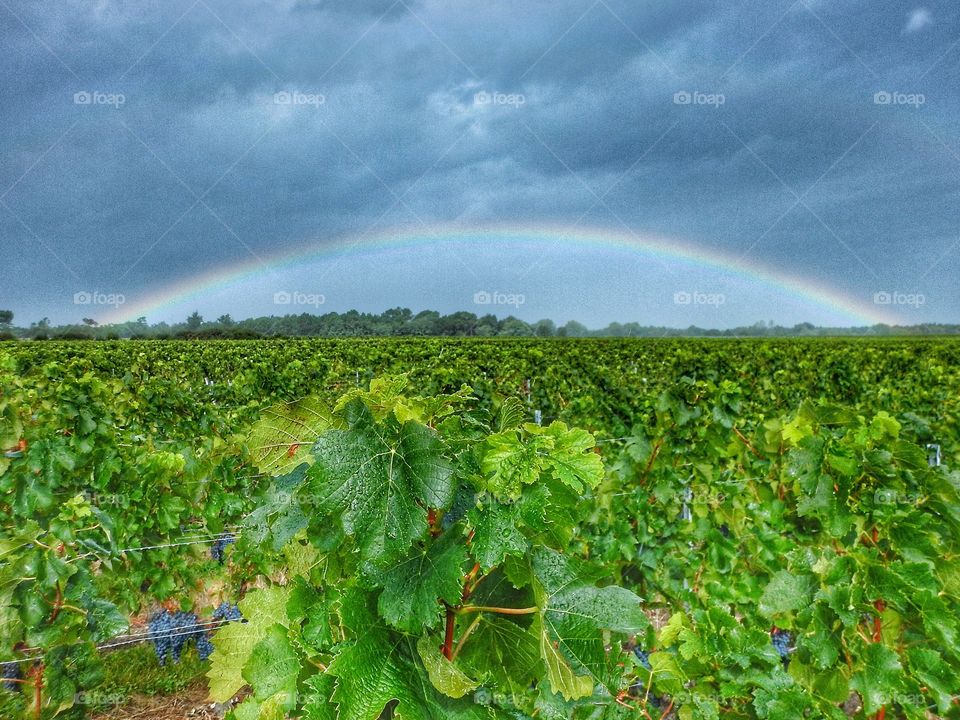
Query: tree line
(403,322)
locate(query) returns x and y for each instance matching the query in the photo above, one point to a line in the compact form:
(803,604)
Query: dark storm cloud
(246,127)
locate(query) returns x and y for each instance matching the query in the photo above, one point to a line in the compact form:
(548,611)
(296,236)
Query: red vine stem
(448,636)
(880,606)
(653,456)
(38,691)
(746,442)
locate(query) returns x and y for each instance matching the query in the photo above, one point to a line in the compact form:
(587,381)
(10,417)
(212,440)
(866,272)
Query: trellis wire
(131,639)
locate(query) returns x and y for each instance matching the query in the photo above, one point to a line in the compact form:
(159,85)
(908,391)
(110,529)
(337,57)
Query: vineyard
(436,528)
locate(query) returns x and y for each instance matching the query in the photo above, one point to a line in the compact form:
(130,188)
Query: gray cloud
(203,163)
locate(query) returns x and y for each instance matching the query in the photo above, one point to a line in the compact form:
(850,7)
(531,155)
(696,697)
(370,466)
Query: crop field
(482,528)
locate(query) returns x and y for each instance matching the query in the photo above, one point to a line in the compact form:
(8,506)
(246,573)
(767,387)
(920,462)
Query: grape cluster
(227,612)
(11,671)
(204,646)
(170,632)
(643,656)
(216,552)
(639,688)
(783,644)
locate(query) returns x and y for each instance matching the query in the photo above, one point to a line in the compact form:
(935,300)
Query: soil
(190,704)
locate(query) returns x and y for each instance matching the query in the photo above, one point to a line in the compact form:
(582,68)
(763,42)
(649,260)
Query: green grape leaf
(282,438)
(379,480)
(502,653)
(571,457)
(563,680)
(105,620)
(496,533)
(786,591)
(369,674)
(316,697)
(509,462)
(233,643)
(412,588)
(930,669)
(879,677)
(444,675)
(273,667)
(573,612)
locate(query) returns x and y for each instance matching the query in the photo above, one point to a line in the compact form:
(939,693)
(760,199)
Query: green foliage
(761,484)
(426,614)
(835,528)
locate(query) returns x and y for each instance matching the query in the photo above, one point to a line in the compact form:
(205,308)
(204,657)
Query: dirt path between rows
(190,704)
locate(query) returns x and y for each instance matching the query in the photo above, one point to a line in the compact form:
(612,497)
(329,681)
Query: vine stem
(880,606)
(653,457)
(746,442)
(499,610)
(38,691)
(448,635)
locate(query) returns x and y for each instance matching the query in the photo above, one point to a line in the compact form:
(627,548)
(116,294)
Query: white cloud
(918,20)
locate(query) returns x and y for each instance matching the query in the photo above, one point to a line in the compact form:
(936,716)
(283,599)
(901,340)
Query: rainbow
(858,311)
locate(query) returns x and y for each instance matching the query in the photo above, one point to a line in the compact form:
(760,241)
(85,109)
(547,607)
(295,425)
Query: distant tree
(225,320)
(459,323)
(514,327)
(194,321)
(575,329)
(424,323)
(544,328)
(142,320)
(90,322)
(487,326)
(6,317)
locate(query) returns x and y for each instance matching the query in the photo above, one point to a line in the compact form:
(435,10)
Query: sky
(668,163)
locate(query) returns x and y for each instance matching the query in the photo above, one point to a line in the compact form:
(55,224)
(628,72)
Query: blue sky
(145,148)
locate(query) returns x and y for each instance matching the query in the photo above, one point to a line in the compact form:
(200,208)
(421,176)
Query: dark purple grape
(160,627)
(216,551)
(11,671)
(783,644)
(204,647)
(227,612)
(643,656)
